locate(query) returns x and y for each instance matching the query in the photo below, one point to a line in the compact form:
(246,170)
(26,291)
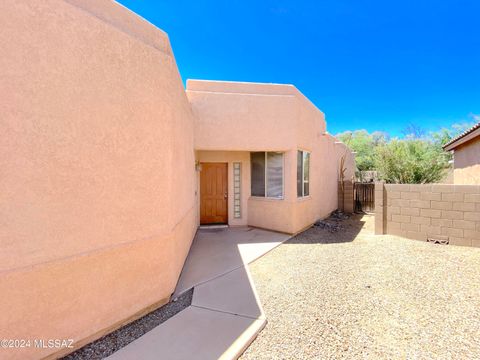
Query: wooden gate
(364,195)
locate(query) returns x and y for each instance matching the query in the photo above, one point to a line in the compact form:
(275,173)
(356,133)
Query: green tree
(363,144)
(444,135)
(411,161)
(417,158)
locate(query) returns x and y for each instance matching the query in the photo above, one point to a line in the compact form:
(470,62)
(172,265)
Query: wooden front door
(213,193)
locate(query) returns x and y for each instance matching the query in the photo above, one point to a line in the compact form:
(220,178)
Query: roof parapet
(125,20)
(238,87)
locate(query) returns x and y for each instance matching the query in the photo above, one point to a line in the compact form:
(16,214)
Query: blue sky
(375,65)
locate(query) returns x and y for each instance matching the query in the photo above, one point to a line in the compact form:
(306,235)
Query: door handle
(225,195)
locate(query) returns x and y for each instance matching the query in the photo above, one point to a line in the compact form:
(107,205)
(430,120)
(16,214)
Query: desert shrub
(411,161)
(363,144)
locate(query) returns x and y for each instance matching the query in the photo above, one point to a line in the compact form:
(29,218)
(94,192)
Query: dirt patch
(351,294)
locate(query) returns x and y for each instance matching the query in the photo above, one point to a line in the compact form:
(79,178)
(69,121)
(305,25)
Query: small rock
(330,227)
(340,215)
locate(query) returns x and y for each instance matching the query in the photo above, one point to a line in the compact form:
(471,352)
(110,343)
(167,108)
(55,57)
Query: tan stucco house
(109,166)
(466,156)
(278,165)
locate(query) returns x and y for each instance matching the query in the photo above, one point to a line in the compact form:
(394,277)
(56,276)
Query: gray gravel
(350,295)
(114,341)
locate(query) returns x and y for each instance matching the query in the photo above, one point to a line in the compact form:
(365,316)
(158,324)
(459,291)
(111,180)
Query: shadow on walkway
(335,231)
(225,315)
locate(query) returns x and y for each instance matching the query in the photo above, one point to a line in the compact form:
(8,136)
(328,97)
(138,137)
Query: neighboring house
(466,156)
(109,166)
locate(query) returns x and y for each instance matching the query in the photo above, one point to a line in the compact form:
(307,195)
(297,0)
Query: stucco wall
(343,151)
(231,116)
(277,214)
(467,163)
(242,121)
(96,127)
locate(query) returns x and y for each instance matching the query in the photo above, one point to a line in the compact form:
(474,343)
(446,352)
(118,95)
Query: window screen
(303,173)
(306,173)
(257,161)
(299,173)
(267,174)
(274,174)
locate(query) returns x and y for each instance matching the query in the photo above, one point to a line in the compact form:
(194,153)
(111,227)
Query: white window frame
(303,173)
(266,178)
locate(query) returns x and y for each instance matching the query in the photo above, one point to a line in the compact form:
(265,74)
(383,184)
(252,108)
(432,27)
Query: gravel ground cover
(349,294)
(114,341)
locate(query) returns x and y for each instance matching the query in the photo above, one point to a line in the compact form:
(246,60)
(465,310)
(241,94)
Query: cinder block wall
(421,212)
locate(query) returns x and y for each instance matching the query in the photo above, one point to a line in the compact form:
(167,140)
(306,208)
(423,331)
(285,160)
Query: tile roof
(465,133)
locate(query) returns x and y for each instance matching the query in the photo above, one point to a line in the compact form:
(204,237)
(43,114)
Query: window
(257,160)
(303,173)
(267,174)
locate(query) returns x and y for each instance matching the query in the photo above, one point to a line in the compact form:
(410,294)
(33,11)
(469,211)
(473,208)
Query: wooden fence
(364,197)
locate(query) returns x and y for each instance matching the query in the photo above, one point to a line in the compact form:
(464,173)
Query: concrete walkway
(225,315)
